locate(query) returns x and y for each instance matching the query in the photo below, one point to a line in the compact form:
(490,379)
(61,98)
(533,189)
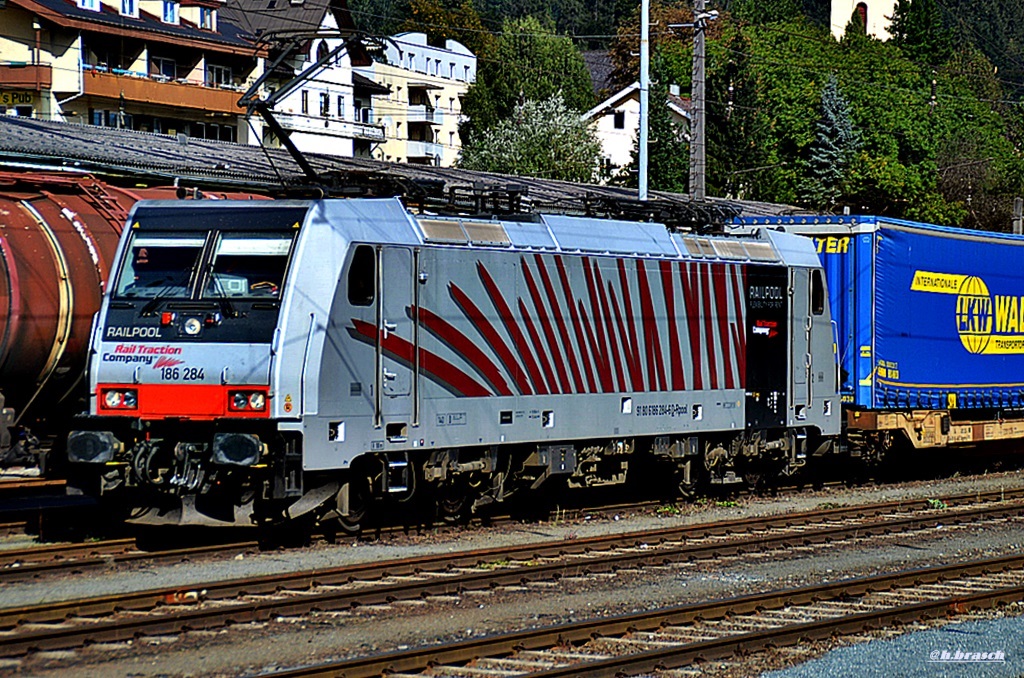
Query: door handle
(389,375)
(388,327)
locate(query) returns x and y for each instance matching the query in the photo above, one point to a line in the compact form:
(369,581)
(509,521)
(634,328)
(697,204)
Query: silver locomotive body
(333,355)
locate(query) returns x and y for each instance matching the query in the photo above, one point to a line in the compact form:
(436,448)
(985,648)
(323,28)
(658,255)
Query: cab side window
(817,293)
(362,276)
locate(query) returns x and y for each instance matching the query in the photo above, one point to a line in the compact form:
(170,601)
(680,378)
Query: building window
(322,50)
(207,18)
(325,105)
(218,75)
(620,120)
(165,69)
(129,8)
(451,70)
(170,15)
(305,102)
(451,139)
(341,107)
(862,12)
(92,5)
(466,78)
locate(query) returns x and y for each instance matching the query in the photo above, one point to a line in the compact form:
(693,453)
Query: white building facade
(874,13)
(616,124)
(420,117)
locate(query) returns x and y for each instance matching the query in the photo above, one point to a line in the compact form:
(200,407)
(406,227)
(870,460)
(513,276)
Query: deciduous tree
(540,139)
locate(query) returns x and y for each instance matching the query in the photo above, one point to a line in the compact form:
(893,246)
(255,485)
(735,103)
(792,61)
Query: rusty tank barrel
(58,237)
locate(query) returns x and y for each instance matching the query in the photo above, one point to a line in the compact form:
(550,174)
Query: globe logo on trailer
(974,314)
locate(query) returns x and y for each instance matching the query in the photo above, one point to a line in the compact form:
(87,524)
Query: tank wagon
(254,363)
(58,236)
(930,332)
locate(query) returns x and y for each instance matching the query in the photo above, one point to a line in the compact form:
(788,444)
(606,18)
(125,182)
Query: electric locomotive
(254,363)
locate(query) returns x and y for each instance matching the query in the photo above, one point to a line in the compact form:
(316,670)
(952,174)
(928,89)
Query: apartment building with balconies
(164,66)
(421,114)
(331,112)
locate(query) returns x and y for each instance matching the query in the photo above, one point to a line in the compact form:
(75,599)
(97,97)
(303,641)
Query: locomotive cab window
(362,276)
(159,266)
(817,293)
(248,266)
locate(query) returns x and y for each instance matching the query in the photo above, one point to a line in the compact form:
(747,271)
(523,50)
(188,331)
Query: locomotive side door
(799,292)
(396,338)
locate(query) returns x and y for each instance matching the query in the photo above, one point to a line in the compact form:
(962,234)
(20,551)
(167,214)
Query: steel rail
(38,561)
(444,578)
(419,659)
(24,564)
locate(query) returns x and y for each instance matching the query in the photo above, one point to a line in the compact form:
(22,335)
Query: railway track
(213,604)
(679,637)
(60,559)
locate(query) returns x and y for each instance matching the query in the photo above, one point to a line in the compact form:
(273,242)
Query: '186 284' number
(182,373)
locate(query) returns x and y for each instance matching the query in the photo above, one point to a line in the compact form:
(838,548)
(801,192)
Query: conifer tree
(917,28)
(835,143)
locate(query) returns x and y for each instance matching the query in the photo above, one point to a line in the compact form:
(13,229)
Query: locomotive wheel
(453,503)
(355,493)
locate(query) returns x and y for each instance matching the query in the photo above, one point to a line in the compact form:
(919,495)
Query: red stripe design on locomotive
(691,295)
(462,346)
(436,368)
(674,348)
(616,311)
(598,347)
(636,372)
(549,333)
(532,350)
(560,321)
(652,340)
(709,332)
(512,328)
(577,326)
(491,336)
(718,272)
(542,356)
(604,373)
(739,274)
(606,322)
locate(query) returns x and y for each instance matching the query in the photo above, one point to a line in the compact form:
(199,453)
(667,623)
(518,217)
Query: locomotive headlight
(120,399)
(257,401)
(193,326)
(247,401)
(112,399)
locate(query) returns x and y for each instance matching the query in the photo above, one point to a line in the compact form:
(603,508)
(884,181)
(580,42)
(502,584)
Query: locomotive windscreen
(206,272)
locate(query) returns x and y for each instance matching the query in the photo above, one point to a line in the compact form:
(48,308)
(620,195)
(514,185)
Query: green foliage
(450,19)
(379,17)
(761,12)
(835,143)
(734,138)
(529,62)
(994,27)
(917,27)
(540,139)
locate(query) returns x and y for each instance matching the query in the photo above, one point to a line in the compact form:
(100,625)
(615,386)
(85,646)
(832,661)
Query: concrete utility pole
(645,86)
(697,154)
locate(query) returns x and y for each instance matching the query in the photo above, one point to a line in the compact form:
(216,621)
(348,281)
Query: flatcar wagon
(930,332)
(253,363)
